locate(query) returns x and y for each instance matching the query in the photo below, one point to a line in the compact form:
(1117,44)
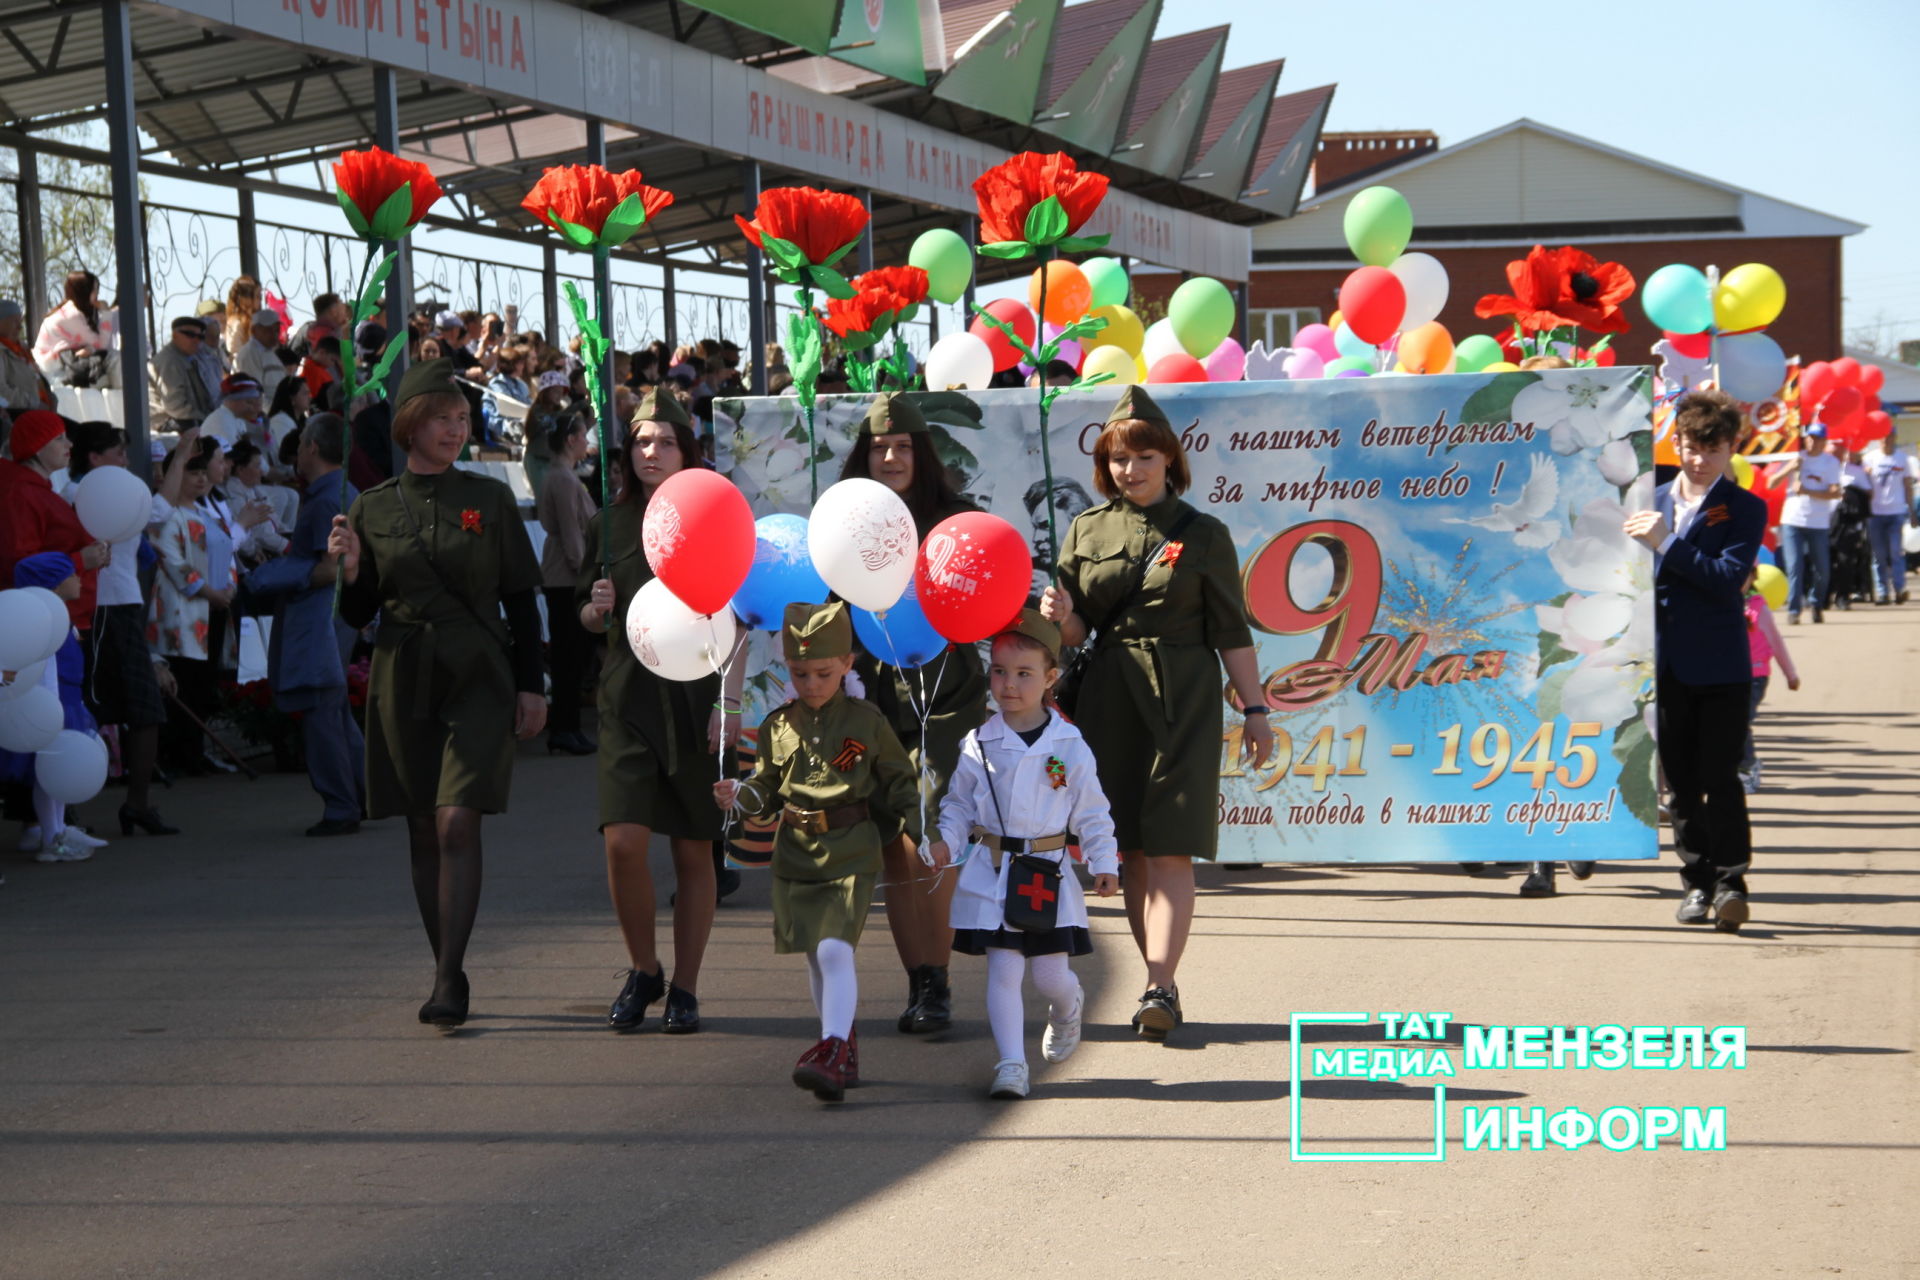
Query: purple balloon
(1351,373)
(1070,350)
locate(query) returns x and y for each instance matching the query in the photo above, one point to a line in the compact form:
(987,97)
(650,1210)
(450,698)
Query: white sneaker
(1009,1080)
(219,762)
(1062,1035)
(61,851)
(81,839)
(30,839)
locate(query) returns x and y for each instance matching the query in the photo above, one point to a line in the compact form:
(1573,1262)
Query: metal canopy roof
(242,106)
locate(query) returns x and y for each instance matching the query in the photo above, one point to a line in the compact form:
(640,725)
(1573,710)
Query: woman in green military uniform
(658,740)
(439,554)
(895,447)
(1149,702)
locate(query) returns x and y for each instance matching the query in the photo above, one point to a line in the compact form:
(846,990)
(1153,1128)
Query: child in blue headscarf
(56,841)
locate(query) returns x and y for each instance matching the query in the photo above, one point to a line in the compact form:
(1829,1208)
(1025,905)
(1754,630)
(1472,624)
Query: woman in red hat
(33,518)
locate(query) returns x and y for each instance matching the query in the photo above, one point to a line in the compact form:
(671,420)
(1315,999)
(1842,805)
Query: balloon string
(925,710)
(723,755)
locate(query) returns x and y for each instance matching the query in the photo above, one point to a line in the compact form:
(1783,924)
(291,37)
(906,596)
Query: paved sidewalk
(209,1065)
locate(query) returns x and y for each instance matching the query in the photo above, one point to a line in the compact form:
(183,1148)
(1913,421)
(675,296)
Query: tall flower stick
(384,198)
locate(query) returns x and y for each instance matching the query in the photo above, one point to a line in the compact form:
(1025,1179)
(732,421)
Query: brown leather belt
(817,822)
(999,845)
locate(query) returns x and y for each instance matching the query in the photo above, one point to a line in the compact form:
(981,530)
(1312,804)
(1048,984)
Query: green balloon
(1358,364)
(1378,225)
(944,256)
(1476,353)
(1201,314)
(1111,288)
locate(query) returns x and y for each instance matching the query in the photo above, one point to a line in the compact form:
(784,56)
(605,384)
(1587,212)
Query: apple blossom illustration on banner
(805,232)
(782,573)
(948,262)
(384,198)
(594,208)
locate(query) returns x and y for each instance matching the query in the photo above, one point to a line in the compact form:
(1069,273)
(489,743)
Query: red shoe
(823,1069)
(853,1057)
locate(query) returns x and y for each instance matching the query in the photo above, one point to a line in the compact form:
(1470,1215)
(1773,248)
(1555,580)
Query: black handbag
(1033,883)
(1066,691)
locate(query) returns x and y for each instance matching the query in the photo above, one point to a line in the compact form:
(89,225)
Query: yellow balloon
(1123,330)
(1139,369)
(1502,366)
(1771,584)
(1742,471)
(1750,296)
(1336,320)
(1113,360)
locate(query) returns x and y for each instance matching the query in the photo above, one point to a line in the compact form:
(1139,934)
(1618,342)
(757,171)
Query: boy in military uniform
(835,773)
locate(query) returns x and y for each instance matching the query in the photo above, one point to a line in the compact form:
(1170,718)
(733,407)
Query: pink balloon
(1304,365)
(1318,338)
(1227,363)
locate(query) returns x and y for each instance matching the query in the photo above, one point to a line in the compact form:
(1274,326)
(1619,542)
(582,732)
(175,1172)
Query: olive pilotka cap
(661,405)
(890,413)
(1137,405)
(426,378)
(1036,628)
(811,631)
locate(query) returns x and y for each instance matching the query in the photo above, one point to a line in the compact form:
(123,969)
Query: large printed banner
(1455,633)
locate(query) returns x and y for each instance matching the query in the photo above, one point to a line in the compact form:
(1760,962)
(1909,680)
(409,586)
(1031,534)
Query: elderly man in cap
(21,386)
(179,397)
(212,360)
(259,358)
(241,408)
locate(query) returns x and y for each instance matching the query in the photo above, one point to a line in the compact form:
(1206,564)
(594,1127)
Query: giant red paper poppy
(591,205)
(1557,288)
(882,297)
(1014,202)
(822,225)
(370,185)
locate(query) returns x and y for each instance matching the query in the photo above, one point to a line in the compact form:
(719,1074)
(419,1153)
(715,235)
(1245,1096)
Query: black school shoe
(1539,882)
(682,1014)
(1156,1016)
(1580,870)
(1694,908)
(629,1008)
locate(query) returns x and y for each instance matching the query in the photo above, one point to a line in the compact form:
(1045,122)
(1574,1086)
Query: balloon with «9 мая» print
(699,538)
(972,575)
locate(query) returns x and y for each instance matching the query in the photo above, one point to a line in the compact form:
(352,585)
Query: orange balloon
(1427,348)
(1069,292)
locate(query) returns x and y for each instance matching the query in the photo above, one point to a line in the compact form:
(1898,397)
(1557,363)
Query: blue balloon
(1765,557)
(904,638)
(782,573)
(1352,344)
(1678,299)
(1752,366)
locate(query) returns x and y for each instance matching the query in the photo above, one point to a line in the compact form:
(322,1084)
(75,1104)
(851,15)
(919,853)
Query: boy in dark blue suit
(1704,531)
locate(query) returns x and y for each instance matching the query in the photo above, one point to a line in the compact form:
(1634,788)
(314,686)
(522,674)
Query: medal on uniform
(1056,772)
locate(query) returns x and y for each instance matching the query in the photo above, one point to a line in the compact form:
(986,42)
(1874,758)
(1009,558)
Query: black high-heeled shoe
(451,1012)
(682,1015)
(147,819)
(630,1006)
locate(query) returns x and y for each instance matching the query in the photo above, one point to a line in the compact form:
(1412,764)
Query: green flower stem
(1046,404)
(807,392)
(602,395)
(350,376)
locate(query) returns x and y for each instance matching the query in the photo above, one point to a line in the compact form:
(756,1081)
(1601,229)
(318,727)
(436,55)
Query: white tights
(836,988)
(52,815)
(1052,978)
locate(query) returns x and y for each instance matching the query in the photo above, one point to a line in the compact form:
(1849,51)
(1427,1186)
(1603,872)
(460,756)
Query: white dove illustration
(1524,517)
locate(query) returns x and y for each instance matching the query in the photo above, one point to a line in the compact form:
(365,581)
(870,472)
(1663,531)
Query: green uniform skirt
(806,912)
(636,787)
(1154,719)
(441,704)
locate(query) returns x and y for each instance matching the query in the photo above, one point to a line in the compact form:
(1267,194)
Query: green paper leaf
(1081,244)
(370,296)
(803,354)
(627,217)
(993,321)
(785,253)
(831,282)
(573,231)
(378,378)
(395,215)
(1084,328)
(1081,384)
(354,218)
(1007,249)
(1046,221)
(860,376)
(833,259)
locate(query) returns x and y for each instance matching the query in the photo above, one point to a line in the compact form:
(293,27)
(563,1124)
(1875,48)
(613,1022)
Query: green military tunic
(954,693)
(841,754)
(1150,702)
(655,768)
(438,553)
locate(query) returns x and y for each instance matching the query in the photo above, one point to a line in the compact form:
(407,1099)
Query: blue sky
(1810,104)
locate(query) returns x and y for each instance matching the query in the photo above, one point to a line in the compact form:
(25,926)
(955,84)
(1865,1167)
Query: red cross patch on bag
(850,752)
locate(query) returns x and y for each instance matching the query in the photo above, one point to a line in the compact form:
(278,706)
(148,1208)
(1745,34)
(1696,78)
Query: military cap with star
(891,413)
(1137,405)
(811,631)
(661,405)
(427,378)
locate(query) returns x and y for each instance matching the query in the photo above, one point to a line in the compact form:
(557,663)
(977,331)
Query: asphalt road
(209,1064)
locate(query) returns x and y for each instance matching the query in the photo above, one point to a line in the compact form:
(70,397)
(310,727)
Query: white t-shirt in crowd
(1803,512)
(1889,473)
(119,581)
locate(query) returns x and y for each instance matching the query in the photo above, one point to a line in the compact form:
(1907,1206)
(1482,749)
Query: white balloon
(30,721)
(1425,281)
(113,503)
(73,769)
(33,625)
(1160,341)
(23,679)
(960,360)
(863,543)
(673,641)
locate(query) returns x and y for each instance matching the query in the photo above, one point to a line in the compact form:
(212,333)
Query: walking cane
(218,741)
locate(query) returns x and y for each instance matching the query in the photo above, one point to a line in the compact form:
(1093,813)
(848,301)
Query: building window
(1276,327)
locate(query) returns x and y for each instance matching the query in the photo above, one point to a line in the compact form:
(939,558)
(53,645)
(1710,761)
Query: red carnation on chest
(470,521)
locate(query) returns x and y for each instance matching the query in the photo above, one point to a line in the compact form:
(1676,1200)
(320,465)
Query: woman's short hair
(1139,436)
(408,417)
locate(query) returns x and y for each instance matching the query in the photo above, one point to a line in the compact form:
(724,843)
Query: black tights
(445,848)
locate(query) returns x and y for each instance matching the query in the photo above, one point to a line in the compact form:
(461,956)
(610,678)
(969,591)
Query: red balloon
(1841,403)
(1847,370)
(1372,302)
(1872,378)
(1870,402)
(698,536)
(1694,346)
(1007,311)
(972,576)
(1817,383)
(1178,367)
(1879,426)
